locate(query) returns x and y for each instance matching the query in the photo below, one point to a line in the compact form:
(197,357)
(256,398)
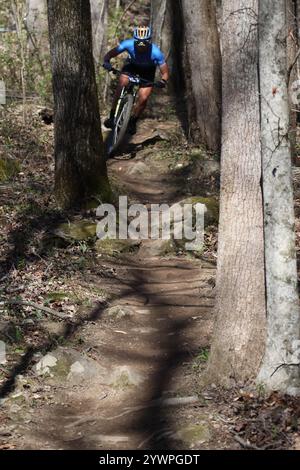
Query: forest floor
(106,342)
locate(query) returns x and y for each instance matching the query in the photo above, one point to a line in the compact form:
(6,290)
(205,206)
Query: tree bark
(99,14)
(204,66)
(80,169)
(37,24)
(162,22)
(283,328)
(292,49)
(238,342)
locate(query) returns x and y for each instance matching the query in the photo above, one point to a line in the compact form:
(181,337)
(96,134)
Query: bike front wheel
(121,123)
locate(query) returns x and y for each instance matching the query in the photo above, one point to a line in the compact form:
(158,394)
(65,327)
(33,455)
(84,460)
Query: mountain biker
(144,58)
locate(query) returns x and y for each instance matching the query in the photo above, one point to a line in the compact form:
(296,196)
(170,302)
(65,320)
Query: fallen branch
(158,403)
(246,444)
(54,313)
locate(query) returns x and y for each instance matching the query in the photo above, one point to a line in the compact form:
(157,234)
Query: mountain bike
(124,109)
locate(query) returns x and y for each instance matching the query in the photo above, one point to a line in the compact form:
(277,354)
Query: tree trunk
(99,13)
(283,328)
(238,342)
(204,66)
(80,169)
(292,48)
(37,25)
(161,21)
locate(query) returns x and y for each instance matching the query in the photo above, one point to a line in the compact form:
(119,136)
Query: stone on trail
(124,377)
(111,247)
(119,312)
(79,231)
(138,168)
(211,215)
(69,365)
(155,248)
(194,434)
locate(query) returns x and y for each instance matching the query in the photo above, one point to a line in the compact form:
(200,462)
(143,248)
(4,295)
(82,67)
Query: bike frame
(130,89)
(124,91)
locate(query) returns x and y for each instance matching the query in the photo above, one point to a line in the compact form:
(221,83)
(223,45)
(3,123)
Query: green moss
(61,368)
(212,206)
(110,247)
(8,168)
(56,296)
(194,433)
(122,382)
(81,230)
(198,153)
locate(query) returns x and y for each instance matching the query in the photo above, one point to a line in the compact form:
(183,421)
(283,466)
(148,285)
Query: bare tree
(162,24)
(203,71)
(239,338)
(280,370)
(99,13)
(37,25)
(292,50)
(80,169)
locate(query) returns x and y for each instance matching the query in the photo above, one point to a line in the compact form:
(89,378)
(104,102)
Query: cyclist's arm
(164,70)
(111,54)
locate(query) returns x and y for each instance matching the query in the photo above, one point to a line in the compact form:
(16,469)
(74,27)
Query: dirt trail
(109,386)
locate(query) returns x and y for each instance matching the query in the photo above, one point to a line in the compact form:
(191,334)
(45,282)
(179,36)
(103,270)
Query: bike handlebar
(139,79)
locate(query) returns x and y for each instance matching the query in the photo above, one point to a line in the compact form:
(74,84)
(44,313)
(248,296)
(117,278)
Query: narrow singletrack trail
(125,378)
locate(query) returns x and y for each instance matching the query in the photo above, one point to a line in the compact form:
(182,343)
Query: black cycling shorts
(146,73)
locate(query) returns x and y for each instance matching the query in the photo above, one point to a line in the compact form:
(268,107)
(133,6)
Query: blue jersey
(152,57)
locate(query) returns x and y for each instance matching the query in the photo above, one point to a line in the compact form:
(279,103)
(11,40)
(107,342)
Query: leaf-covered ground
(58,289)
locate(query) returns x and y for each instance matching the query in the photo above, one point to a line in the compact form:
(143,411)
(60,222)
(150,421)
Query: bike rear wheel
(121,124)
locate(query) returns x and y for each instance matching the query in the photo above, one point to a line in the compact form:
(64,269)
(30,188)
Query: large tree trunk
(238,343)
(204,72)
(80,170)
(283,330)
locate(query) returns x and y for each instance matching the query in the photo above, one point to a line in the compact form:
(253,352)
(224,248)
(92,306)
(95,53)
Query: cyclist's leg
(141,104)
(143,97)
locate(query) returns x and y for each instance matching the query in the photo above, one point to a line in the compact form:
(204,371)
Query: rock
(68,364)
(154,248)
(209,168)
(53,327)
(118,312)
(46,364)
(138,168)
(81,230)
(8,168)
(198,153)
(124,377)
(111,247)
(194,434)
(149,136)
(212,208)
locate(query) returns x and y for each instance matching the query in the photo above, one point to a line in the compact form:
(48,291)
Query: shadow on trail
(26,361)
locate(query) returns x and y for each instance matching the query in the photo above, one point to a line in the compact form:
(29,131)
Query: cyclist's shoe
(109,123)
(132,126)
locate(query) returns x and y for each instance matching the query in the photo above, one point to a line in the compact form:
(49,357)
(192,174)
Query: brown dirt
(139,326)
